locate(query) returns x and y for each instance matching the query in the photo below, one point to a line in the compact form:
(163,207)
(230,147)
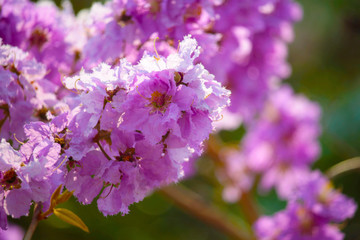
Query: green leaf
(71,218)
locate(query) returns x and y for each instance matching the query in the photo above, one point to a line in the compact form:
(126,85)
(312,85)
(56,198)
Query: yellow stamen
(47,72)
(62,82)
(14,58)
(140,93)
(60,164)
(207,96)
(18,140)
(178,47)
(157,55)
(77,90)
(221,118)
(112,186)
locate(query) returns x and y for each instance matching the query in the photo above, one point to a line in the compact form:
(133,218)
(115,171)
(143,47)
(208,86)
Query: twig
(103,151)
(344,167)
(246,202)
(34,222)
(196,206)
(3,121)
(249,208)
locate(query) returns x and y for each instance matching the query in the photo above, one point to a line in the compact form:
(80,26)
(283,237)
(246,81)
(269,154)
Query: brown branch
(197,207)
(249,208)
(3,121)
(247,203)
(34,222)
(344,167)
(103,151)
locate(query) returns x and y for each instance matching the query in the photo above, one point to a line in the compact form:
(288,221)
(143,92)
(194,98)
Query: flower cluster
(142,123)
(279,146)
(44,32)
(250,47)
(235,175)
(25,95)
(311,214)
(283,142)
(30,174)
(128,131)
(87,102)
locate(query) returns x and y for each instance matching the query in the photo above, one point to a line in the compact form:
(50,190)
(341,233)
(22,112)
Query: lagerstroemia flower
(143,122)
(252,49)
(30,174)
(13,232)
(24,93)
(283,142)
(41,29)
(279,146)
(138,119)
(126,27)
(235,176)
(247,38)
(311,214)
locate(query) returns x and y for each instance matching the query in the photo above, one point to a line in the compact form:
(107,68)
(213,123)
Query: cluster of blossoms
(311,213)
(128,131)
(283,142)
(25,94)
(148,119)
(29,174)
(279,145)
(134,121)
(41,30)
(247,38)
(279,148)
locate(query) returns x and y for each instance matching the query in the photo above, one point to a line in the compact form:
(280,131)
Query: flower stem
(196,206)
(344,167)
(249,208)
(247,203)
(34,222)
(103,151)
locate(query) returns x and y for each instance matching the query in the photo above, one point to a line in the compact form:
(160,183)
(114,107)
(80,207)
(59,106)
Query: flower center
(179,77)
(193,13)
(38,38)
(324,196)
(9,180)
(127,156)
(123,19)
(306,221)
(155,6)
(159,102)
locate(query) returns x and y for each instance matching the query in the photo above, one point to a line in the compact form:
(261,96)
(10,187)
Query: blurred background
(325,59)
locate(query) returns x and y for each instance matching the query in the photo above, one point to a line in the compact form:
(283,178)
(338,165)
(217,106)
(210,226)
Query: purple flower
(32,174)
(310,214)
(318,194)
(294,223)
(252,49)
(13,232)
(24,96)
(40,30)
(235,176)
(283,142)
(137,125)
